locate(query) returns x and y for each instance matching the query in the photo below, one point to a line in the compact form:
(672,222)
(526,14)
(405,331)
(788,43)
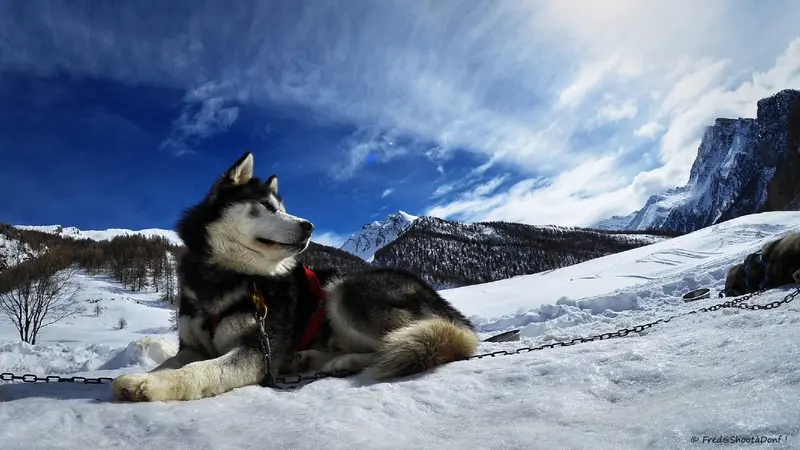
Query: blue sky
(538,112)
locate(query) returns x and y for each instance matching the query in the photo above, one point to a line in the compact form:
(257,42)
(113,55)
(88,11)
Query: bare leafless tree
(38,293)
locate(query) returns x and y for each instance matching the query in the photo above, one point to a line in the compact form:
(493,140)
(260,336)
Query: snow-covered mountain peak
(408,217)
(731,174)
(374,236)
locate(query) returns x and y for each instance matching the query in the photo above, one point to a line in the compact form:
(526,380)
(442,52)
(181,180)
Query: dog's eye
(270,207)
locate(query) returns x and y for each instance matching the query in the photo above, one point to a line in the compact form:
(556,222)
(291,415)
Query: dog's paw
(132,388)
(350,362)
(152,387)
(796,276)
(301,361)
(305,360)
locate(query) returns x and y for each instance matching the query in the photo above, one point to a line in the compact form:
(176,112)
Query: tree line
(446,254)
(451,254)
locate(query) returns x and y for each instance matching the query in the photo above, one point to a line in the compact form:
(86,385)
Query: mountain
(321,256)
(733,173)
(102,235)
(784,191)
(615,222)
(451,254)
(374,236)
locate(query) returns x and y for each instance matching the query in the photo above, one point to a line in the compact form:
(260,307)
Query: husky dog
(777,264)
(241,246)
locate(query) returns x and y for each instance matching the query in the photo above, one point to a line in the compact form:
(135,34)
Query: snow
(408,217)
(102,235)
(13,252)
(376,235)
(615,222)
(724,373)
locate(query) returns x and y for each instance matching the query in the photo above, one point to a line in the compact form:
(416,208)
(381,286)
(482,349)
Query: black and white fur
(385,321)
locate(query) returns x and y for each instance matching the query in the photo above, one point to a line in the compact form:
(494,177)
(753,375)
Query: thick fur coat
(777,264)
(241,241)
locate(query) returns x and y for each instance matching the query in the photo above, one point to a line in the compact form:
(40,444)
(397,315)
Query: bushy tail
(419,346)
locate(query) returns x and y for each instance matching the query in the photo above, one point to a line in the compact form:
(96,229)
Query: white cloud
(443,190)
(511,83)
(387,192)
(649,130)
(618,111)
(583,193)
(599,188)
(367,147)
(189,128)
(329,238)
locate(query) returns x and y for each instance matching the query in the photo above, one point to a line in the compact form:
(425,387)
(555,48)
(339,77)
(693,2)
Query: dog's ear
(241,171)
(272,184)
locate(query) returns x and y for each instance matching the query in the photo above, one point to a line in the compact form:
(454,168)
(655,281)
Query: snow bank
(146,352)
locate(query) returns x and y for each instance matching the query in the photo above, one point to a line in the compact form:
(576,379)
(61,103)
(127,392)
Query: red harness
(313,324)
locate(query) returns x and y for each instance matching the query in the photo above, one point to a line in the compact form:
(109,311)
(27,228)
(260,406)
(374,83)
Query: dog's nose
(307,226)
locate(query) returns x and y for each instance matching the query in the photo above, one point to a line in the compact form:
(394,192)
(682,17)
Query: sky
(541,112)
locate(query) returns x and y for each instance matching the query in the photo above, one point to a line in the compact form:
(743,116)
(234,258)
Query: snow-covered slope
(102,235)
(615,222)
(13,252)
(731,176)
(723,373)
(374,236)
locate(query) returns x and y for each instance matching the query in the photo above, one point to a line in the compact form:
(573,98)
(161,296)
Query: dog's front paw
(301,361)
(151,387)
(796,276)
(310,360)
(132,388)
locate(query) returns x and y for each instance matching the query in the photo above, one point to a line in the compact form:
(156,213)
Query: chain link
(295,381)
(31,378)
(269,374)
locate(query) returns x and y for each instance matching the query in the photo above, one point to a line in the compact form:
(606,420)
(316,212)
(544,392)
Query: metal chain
(269,375)
(737,303)
(30,378)
(295,381)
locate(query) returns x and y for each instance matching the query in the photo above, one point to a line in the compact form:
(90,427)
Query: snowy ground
(721,374)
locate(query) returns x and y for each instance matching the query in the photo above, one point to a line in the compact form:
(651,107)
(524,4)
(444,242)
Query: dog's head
(756,270)
(736,281)
(242,224)
(745,277)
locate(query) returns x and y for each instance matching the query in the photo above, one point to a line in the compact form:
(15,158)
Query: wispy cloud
(615,112)
(511,83)
(443,190)
(329,238)
(649,130)
(387,192)
(190,127)
(366,147)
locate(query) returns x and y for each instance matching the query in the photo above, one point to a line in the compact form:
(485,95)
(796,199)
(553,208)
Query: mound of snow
(147,352)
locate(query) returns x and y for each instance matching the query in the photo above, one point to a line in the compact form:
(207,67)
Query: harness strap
(319,315)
